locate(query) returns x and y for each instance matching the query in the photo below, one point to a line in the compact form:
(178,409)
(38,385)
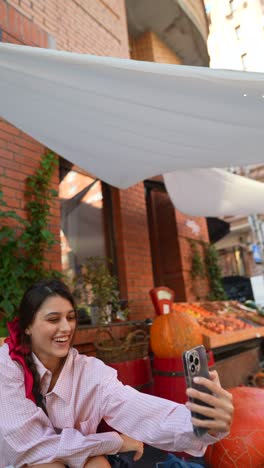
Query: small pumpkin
(243,447)
(173,333)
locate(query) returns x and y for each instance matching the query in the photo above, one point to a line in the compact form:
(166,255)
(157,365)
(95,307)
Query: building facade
(236,41)
(138,228)
(236,38)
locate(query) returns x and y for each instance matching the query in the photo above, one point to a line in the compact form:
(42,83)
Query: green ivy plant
(198,268)
(217,292)
(207,267)
(23,248)
(12,262)
(39,199)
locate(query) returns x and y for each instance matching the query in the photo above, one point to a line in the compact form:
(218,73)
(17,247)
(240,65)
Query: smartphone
(195,363)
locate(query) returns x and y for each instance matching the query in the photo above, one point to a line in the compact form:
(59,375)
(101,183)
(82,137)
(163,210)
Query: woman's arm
(27,436)
(157,422)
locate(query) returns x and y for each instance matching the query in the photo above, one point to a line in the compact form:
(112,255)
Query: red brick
(5,154)
(30,144)
(14,203)
(6,136)
(15,20)
(26,163)
(9,192)
(12,174)
(10,182)
(6,127)
(3,146)
(10,39)
(27,31)
(3,14)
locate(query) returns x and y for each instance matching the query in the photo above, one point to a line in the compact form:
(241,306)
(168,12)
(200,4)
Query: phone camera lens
(196,361)
(192,368)
(191,358)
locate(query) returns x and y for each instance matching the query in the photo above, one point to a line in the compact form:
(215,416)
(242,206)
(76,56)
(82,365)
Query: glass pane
(82,231)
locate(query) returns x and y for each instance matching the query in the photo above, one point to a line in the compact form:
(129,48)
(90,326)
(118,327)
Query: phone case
(196,364)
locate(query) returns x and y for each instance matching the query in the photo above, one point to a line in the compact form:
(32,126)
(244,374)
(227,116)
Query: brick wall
(135,264)
(133,250)
(99,28)
(134,255)
(20,154)
(150,48)
(194,228)
(174,246)
(18,28)
(94,27)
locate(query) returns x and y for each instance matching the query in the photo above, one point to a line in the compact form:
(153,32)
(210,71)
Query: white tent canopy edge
(124,121)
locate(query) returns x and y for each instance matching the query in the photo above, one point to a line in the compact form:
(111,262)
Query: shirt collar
(40,367)
(61,388)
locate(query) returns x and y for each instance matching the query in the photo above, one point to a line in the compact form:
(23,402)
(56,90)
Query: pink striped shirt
(86,391)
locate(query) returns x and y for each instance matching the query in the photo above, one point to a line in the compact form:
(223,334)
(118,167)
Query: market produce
(223,322)
(220,325)
(244,447)
(191,309)
(217,317)
(173,333)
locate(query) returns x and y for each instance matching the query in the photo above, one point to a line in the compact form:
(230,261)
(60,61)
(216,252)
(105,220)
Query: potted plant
(98,288)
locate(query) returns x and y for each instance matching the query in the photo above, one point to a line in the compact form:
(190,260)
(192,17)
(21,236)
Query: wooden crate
(214,340)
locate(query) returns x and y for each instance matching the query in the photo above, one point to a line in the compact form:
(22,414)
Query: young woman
(53,398)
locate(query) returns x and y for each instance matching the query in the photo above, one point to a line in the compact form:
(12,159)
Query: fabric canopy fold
(214,192)
(124,121)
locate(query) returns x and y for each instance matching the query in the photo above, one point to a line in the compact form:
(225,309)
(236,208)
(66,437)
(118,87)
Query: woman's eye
(53,320)
(72,317)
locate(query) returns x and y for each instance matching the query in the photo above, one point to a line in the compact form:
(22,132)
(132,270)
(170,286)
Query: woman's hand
(132,445)
(221,402)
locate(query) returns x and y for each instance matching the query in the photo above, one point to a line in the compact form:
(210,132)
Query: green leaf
(22,256)
(7,306)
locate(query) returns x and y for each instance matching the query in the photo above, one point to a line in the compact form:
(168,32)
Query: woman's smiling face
(52,330)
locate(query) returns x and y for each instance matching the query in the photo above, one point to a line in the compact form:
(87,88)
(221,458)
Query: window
(244,60)
(238,32)
(82,231)
(86,221)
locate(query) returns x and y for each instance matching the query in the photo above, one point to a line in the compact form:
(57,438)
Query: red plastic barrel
(136,373)
(169,381)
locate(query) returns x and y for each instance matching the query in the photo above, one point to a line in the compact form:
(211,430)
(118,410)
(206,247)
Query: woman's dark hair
(30,304)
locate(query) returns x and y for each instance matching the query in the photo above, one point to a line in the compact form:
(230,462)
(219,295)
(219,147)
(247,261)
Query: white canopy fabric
(124,121)
(214,192)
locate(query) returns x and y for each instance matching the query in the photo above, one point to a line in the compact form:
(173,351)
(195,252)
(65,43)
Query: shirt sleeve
(27,435)
(157,422)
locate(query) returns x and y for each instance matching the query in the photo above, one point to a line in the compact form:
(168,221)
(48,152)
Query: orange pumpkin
(244,447)
(173,333)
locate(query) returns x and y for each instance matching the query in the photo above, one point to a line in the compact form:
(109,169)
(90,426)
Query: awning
(124,121)
(214,192)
